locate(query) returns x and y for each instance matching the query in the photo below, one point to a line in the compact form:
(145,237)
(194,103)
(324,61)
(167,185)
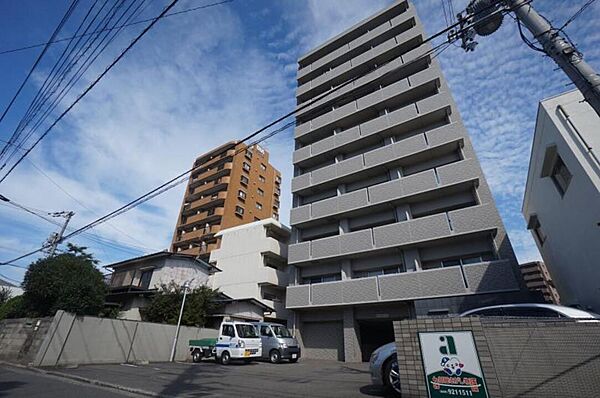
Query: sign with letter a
(451,365)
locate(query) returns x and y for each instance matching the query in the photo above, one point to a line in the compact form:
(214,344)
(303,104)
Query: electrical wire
(89,88)
(180,178)
(61,24)
(577,14)
(117,27)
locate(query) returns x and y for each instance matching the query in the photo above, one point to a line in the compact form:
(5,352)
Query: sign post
(451,365)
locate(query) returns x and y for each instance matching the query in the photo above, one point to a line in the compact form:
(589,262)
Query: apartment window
(248,154)
(145,279)
(258,206)
(277,191)
(275,203)
(271,296)
(210,212)
(479,258)
(260,192)
(263,167)
(246,166)
(244,180)
(214,196)
(242,195)
(322,278)
(534,225)
(376,272)
(239,210)
(561,176)
(278,180)
(261,178)
(276,216)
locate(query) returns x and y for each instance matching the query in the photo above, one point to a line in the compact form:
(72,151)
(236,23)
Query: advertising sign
(451,365)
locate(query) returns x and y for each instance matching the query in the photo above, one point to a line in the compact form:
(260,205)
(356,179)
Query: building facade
(562,197)
(134,281)
(230,185)
(538,279)
(252,261)
(392,217)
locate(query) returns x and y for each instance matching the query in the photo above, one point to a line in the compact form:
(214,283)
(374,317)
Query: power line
(179,179)
(113,28)
(577,14)
(64,19)
(90,87)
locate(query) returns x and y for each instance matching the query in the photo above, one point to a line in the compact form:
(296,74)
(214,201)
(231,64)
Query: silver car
(384,362)
(277,342)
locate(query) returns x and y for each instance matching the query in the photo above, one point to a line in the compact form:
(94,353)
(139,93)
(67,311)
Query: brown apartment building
(537,278)
(232,185)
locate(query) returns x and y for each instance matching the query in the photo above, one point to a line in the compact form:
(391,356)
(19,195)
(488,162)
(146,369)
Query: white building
(562,197)
(252,261)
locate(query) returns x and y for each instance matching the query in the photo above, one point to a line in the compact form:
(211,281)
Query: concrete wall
(519,357)
(179,271)
(570,221)
(73,340)
(20,339)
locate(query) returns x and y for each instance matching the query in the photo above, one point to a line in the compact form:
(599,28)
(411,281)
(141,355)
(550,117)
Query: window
(531,312)
(248,154)
(261,178)
(242,195)
(266,331)
(456,261)
(536,227)
(246,166)
(278,180)
(228,331)
(322,278)
(276,203)
(239,210)
(258,206)
(560,176)
(246,331)
(276,216)
(145,279)
(277,191)
(263,167)
(210,212)
(244,180)
(214,196)
(376,272)
(260,192)
(270,296)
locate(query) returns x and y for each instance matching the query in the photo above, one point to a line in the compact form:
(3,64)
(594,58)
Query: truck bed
(207,342)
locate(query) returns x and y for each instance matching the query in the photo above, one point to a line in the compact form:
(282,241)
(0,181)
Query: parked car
(236,340)
(383,363)
(277,342)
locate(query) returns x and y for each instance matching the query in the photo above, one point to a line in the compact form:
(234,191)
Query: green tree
(69,282)
(5,294)
(13,308)
(166,304)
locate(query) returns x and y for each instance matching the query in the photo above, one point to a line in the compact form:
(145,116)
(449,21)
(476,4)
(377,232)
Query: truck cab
(237,340)
(277,342)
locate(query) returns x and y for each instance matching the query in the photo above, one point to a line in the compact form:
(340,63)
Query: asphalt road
(307,378)
(16,382)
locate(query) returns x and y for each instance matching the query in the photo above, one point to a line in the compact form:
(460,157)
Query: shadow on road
(6,386)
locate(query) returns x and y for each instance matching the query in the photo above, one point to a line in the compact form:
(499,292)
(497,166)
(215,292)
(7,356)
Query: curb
(83,379)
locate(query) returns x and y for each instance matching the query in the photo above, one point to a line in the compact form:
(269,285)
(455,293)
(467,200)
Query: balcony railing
(487,277)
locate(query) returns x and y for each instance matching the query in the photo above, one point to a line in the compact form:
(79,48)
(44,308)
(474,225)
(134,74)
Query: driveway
(307,378)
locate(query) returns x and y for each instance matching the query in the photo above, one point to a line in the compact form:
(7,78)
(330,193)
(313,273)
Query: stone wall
(519,357)
(20,339)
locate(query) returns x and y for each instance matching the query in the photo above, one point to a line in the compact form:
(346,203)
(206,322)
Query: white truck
(236,340)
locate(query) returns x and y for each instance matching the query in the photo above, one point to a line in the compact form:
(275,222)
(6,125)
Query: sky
(205,77)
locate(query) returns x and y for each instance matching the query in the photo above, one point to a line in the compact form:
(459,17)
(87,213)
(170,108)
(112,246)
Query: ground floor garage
(348,334)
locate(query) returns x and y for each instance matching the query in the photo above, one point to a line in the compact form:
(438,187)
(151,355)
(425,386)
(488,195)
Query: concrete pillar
(412,260)
(346,269)
(351,337)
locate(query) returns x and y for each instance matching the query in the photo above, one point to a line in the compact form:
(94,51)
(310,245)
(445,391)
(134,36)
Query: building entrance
(374,334)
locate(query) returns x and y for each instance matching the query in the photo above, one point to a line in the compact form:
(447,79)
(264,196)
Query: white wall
(572,247)
(179,271)
(240,260)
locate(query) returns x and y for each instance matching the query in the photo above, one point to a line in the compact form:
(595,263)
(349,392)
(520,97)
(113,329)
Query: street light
(186,286)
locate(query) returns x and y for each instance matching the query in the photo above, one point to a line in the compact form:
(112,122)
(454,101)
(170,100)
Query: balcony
(408,151)
(198,234)
(218,159)
(196,250)
(387,51)
(205,216)
(215,172)
(373,37)
(438,226)
(268,276)
(487,277)
(208,188)
(363,200)
(219,199)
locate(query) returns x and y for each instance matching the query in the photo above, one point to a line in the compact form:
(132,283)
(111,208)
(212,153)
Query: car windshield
(280,331)
(246,331)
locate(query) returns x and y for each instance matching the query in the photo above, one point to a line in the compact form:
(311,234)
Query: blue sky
(205,77)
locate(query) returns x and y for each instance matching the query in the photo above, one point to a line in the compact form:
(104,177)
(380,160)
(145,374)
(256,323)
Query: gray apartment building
(392,217)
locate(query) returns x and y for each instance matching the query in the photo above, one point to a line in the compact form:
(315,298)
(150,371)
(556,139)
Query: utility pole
(186,286)
(485,17)
(56,238)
